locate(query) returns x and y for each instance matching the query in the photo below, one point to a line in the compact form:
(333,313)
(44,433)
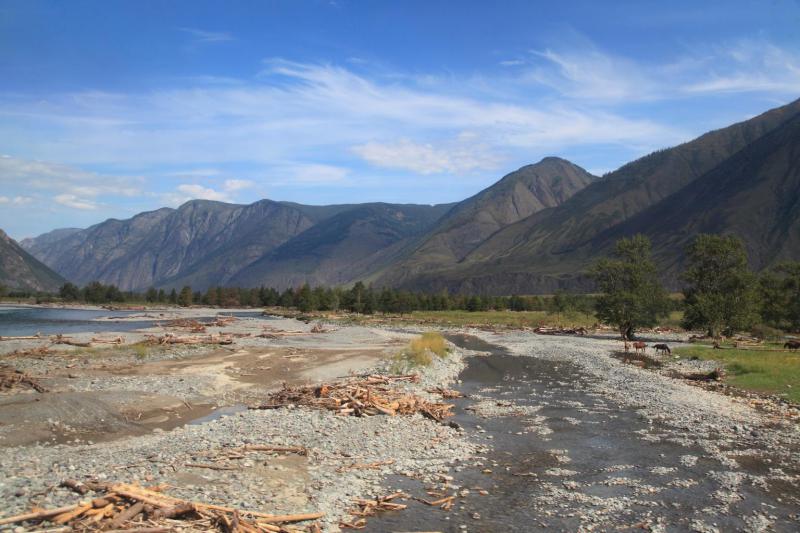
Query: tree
(69,292)
(780,296)
(3,291)
(632,296)
(185,297)
(305,299)
(173,297)
(151,296)
(721,294)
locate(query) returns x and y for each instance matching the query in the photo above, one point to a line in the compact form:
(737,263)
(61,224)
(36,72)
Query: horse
(792,345)
(639,346)
(662,349)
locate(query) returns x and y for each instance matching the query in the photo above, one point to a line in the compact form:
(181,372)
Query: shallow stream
(577,461)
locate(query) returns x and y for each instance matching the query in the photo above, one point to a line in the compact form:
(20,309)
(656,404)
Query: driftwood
(447,394)
(115,340)
(10,378)
(550,330)
(364,508)
(38,351)
(169,338)
(121,504)
(359,397)
(20,337)
(61,339)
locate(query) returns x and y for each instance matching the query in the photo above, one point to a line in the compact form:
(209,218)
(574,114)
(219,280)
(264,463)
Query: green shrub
(767,333)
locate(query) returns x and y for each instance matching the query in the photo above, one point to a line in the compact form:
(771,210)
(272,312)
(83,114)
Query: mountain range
(534,231)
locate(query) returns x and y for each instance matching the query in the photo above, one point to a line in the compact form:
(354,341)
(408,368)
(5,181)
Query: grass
(513,319)
(419,352)
(774,372)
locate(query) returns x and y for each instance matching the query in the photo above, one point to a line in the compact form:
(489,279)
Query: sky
(109,107)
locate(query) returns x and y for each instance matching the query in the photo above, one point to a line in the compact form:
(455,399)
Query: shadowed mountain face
(515,197)
(204,243)
(534,231)
(20,270)
(345,248)
(207,240)
(744,172)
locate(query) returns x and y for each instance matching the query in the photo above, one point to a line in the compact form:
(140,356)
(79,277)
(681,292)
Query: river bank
(556,434)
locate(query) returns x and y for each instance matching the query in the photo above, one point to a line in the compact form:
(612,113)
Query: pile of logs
(364,508)
(122,506)
(185,323)
(169,338)
(360,397)
(551,330)
(10,378)
(39,351)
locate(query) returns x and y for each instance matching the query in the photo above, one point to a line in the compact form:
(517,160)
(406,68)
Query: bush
(767,333)
(419,352)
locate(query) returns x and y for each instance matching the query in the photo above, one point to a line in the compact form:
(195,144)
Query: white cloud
(747,65)
(198,192)
(70,200)
(454,158)
(316,174)
(21,200)
(204,36)
(4,199)
(194,191)
(593,75)
(64,185)
(750,66)
(237,185)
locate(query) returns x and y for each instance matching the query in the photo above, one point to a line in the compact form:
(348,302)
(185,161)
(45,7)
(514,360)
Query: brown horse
(792,345)
(639,346)
(662,349)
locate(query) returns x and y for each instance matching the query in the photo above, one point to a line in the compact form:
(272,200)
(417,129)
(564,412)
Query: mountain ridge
(536,229)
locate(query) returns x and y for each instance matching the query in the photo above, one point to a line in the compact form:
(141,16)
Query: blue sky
(109,108)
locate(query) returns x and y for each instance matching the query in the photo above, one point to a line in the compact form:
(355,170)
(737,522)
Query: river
(580,462)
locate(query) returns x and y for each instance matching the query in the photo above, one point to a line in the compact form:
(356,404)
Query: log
(76,486)
(38,515)
(20,337)
(279,519)
(128,514)
(211,467)
(299,450)
(63,518)
(143,530)
(176,510)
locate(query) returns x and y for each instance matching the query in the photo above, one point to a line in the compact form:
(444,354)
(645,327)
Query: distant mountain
(345,248)
(205,243)
(534,231)
(20,270)
(469,223)
(736,168)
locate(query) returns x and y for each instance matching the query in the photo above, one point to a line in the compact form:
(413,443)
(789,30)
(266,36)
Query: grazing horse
(639,346)
(792,345)
(662,349)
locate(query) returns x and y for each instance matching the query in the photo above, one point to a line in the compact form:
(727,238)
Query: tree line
(721,293)
(360,298)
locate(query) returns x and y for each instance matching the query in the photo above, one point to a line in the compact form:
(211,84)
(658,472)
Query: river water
(51,321)
(579,463)
(33,320)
